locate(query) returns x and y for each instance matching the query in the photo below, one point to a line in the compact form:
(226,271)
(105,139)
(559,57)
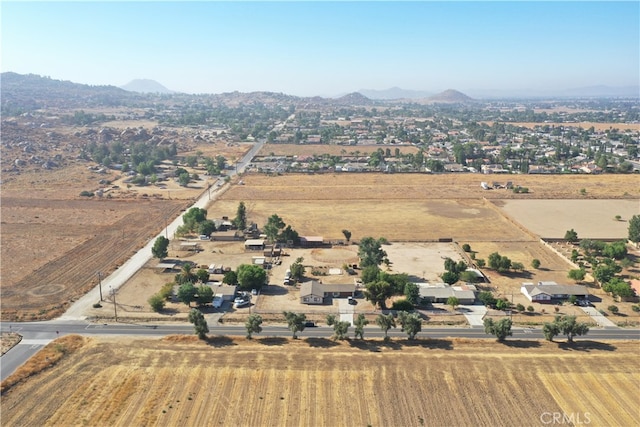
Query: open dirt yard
(591,219)
(319,382)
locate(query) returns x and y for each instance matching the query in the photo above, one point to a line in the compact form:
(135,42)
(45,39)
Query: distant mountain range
(24,92)
(145,86)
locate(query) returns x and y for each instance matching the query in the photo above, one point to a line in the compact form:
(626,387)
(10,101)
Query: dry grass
(278,381)
(46,358)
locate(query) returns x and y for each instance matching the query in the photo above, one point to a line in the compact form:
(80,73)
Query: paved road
(37,334)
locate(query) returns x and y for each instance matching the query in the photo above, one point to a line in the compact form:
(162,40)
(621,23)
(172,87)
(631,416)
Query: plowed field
(316,382)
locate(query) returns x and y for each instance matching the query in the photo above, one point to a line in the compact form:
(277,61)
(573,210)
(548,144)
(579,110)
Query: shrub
(520,308)
(535,263)
(530,309)
(635,308)
(97,305)
(166,291)
(86,193)
(402,305)
(156,302)
(614,309)
(466,247)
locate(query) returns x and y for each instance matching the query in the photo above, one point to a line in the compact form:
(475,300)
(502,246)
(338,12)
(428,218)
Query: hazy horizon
(327,48)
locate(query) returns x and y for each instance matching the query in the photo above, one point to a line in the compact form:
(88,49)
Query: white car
(241,303)
(217,302)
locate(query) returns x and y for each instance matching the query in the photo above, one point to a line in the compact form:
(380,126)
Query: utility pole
(115,306)
(100,285)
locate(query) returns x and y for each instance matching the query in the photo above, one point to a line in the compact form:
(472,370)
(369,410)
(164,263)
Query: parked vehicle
(309,324)
(217,302)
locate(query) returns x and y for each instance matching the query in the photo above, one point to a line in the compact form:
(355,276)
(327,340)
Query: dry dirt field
(283,382)
(592,219)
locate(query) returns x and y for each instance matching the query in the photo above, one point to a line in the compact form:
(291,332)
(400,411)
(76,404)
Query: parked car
(352,300)
(240,303)
(254,292)
(309,324)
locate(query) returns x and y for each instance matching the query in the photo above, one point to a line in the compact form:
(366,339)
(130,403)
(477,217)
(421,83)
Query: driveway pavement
(598,317)
(346,311)
(474,314)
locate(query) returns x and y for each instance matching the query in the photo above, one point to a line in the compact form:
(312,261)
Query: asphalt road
(37,334)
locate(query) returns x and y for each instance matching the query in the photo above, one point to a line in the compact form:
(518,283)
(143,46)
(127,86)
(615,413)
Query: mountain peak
(145,86)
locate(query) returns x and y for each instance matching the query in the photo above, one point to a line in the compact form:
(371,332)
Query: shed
(311,241)
(254,244)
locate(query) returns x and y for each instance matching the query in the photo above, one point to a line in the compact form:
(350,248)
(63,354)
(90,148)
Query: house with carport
(315,292)
(549,291)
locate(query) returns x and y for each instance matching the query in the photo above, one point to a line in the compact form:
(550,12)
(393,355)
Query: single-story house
(547,291)
(227,292)
(440,292)
(315,292)
(254,244)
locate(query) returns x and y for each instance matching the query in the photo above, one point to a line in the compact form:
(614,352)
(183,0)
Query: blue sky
(327,48)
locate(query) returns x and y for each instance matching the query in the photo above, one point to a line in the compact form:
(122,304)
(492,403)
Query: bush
(520,308)
(166,291)
(466,247)
(86,193)
(402,305)
(535,263)
(635,308)
(530,309)
(156,302)
(614,309)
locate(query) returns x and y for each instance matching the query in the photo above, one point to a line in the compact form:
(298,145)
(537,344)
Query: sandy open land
(125,382)
(591,219)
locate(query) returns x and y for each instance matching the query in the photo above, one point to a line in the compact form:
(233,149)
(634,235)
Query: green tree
(297,269)
(251,276)
(360,322)
(187,293)
(634,229)
(240,221)
(453,302)
(520,308)
(517,266)
(500,329)
(186,274)
(193,217)
(577,274)
(160,247)
(480,263)
(199,323)
(273,226)
(184,179)
(411,323)
(295,322)
(449,277)
(370,274)
(230,278)
(340,328)
(370,252)
(156,302)
(253,325)
(206,227)
(567,325)
(615,250)
(605,272)
(204,295)
(377,292)
(202,275)
(466,247)
(487,298)
(571,236)
(502,304)
(412,293)
(386,322)
(498,262)
(530,309)
(618,288)
(535,263)
(550,331)
(347,235)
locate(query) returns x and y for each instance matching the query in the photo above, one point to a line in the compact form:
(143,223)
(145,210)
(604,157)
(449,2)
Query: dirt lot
(592,219)
(273,381)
